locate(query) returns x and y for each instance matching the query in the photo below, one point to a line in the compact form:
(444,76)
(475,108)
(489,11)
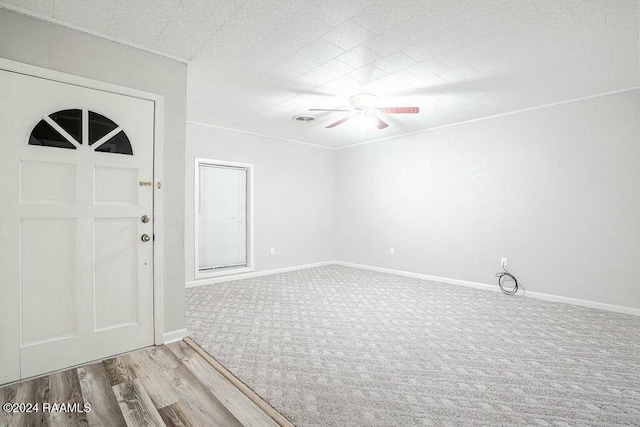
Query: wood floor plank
(246,411)
(42,395)
(275,415)
(96,390)
(160,356)
(203,405)
(178,415)
(149,368)
(64,387)
(7,394)
(181,350)
(25,393)
(118,371)
(136,405)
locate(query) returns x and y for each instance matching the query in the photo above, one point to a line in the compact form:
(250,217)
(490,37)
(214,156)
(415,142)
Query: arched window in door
(64,129)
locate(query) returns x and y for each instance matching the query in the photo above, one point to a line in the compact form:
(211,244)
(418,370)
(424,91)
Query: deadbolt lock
(145,237)
(144,219)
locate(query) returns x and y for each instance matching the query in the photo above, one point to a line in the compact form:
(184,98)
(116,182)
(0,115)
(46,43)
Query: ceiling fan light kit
(365,113)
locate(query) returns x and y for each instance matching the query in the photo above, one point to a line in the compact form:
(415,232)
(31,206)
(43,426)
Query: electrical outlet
(392,251)
(503,261)
(273,251)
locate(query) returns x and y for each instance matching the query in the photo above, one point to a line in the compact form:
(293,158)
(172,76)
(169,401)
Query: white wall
(293,201)
(57,48)
(556,190)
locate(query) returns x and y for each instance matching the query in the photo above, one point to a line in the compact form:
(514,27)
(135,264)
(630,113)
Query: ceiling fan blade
(332,125)
(400,110)
(326,109)
(380,124)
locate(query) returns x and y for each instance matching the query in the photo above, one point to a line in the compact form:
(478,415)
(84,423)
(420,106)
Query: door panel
(116,185)
(43,182)
(77,278)
(48,272)
(116,298)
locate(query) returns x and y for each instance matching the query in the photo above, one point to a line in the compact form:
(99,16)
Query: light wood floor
(167,385)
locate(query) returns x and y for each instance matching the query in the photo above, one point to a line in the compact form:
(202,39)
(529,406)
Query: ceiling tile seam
(337,58)
(319,64)
(309,71)
(362,44)
(293,110)
(535,4)
(435,74)
(325,40)
(164,27)
(232,15)
(218,30)
(362,9)
(110,20)
(193,122)
(573,18)
(274,106)
(297,52)
(59,23)
(494,116)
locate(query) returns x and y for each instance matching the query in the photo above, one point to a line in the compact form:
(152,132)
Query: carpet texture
(339,346)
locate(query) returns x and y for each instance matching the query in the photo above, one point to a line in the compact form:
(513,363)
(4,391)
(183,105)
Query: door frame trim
(158,199)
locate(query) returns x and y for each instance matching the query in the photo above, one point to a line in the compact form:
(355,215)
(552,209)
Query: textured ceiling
(254,64)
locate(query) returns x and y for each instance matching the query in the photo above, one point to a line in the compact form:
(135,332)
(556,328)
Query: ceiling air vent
(303,119)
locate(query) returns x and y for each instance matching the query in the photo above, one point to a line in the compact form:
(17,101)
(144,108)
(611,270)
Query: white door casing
(75,277)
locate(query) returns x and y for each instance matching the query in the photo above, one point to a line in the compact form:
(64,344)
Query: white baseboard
(476,285)
(583,303)
(232,277)
(422,276)
(173,336)
(495,288)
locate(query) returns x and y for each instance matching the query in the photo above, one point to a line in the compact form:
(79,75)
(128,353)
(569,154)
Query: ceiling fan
(362,109)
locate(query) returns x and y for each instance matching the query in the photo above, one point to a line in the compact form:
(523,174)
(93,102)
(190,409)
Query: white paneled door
(76,226)
(222,217)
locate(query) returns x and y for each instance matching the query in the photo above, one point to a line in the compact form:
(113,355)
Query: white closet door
(222,217)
